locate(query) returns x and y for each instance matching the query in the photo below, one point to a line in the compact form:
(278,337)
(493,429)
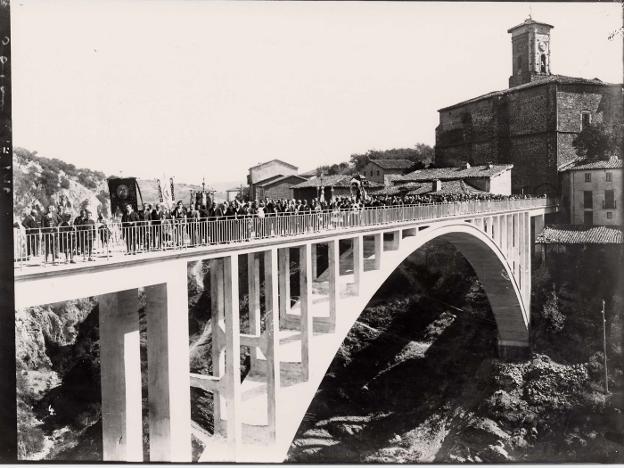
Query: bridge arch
(492,269)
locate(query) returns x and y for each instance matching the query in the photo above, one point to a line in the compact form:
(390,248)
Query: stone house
(262,172)
(377,170)
(533,123)
(591,192)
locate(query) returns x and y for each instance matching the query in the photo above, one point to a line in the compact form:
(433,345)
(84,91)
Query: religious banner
(122,191)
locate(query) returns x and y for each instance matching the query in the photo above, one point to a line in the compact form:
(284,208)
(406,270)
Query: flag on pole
(167,195)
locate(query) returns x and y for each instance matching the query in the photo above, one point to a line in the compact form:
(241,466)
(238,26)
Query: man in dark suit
(129,222)
(31,224)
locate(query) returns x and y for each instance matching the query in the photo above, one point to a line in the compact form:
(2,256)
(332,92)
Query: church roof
(455,173)
(562,79)
(580,234)
(528,22)
(393,163)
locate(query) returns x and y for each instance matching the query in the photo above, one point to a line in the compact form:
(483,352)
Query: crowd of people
(157,227)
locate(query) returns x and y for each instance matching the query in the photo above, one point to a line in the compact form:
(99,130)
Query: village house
(272,179)
(378,170)
(492,178)
(330,185)
(591,192)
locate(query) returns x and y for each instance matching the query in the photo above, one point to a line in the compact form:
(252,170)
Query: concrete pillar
(378,250)
(538,227)
(520,251)
(334,274)
(253,291)
(503,234)
(305,286)
(491,227)
(271,295)
(509,244)
(396,239)
(478,222)
(232,354)
(284,284)
(527,263)
(120,364)
(358,263)
(496,227)
(169,384)
(217,319)
(314,262)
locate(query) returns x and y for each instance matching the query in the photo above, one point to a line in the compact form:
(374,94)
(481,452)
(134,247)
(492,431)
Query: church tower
(530,42)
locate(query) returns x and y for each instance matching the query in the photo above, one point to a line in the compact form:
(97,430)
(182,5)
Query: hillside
(40,181)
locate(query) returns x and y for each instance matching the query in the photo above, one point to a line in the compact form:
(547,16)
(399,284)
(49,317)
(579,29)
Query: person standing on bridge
(129,222)
(50,223)
(31,225)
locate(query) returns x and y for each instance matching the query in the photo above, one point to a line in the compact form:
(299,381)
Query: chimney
(467,165)
(436,186)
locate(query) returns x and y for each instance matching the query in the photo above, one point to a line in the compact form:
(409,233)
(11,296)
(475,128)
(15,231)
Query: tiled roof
(580,234)
(271,161)
(449,187)
(277,179)
(587,164)
(268,179)
(393,163)
(338,180)
(547,79)
(450,173)
(527,22)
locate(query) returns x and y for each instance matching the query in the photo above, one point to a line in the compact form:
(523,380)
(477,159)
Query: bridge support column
(253,288)
(521,259)
(490,230)
(497,226)
(169,385)
(527,263)
(378,250)
(478,222)
(284,284)
(396,239)
(314,262)
(358,263)
(538,227)
(122,434)
(218,339)
(510,232)
(271,296)
(513,350)
(305,287)
(232,352)
(334,274)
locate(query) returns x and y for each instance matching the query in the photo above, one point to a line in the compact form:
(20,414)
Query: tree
(600,141)
(421,155)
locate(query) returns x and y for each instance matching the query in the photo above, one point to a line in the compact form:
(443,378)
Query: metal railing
(67,244)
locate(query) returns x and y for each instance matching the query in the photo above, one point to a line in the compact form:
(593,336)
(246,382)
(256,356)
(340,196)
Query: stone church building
(533,123)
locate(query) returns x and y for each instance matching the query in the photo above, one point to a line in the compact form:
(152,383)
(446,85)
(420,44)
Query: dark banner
(122,192)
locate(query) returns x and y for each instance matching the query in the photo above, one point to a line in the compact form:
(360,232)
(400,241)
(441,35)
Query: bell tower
(530,51)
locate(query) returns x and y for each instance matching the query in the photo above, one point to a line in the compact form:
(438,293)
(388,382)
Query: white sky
(210,88)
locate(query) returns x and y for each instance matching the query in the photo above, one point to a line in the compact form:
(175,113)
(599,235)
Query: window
(588,200)
(378,173)
(543,63)
(585,120)
(609,177)
(588,177)
(609,201)
(588,218)
(609,215)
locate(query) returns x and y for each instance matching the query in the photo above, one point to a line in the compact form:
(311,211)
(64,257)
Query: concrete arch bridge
(256,419)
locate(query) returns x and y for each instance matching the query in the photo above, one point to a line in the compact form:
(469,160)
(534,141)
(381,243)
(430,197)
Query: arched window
(543,63)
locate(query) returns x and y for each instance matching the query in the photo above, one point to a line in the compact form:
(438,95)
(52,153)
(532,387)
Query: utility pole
(604,347)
